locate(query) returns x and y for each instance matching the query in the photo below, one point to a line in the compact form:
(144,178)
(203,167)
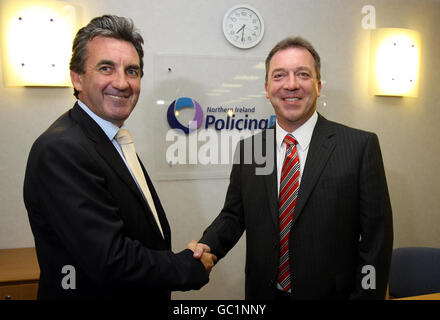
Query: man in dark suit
(319,226)
(100,230)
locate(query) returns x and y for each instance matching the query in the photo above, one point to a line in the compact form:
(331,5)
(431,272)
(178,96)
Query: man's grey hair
(110,26)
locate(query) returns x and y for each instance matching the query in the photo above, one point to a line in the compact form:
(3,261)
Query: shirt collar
(303,134)
(109,128)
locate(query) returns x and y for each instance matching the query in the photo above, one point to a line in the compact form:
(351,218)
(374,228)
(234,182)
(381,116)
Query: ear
(265,88)
(319,88)
(76,80)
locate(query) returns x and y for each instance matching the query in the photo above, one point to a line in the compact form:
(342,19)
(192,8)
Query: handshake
(202,252)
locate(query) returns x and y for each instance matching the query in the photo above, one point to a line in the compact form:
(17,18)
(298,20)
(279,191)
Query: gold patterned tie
(125,140)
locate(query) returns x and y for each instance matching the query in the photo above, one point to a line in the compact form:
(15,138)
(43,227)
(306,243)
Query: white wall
(407,127)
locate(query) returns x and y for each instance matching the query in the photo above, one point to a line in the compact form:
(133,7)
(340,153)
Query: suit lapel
(321,147)
(270,180)
(159,209)
(104,146)
(110,155)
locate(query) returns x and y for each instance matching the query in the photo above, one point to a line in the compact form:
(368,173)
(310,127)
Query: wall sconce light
(37,41)
(394,62)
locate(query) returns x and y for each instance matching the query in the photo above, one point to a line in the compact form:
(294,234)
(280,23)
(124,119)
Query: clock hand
(242,28)
(242,32)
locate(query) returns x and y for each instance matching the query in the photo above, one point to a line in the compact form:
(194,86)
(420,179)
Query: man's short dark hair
(296,42)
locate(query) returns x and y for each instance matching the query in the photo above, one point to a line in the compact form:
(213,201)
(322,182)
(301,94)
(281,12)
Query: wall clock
(243,26)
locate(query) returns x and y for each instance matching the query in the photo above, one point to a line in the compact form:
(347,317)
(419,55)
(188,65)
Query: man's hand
(198,248)
(202,252)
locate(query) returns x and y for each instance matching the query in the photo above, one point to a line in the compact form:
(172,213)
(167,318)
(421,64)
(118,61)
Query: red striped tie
(289,186)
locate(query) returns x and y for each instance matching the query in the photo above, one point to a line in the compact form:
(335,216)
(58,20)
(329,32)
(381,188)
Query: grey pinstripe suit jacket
(342,220)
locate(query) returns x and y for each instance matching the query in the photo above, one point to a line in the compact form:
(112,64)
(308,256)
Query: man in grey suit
(321,228)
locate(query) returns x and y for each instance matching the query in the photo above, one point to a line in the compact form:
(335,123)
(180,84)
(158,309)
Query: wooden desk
(19,274)
(432,296)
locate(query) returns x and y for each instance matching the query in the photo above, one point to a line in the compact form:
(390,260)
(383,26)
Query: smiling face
(110,85)
(292,87)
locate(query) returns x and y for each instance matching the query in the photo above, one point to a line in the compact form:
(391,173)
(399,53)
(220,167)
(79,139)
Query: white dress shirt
(303,135)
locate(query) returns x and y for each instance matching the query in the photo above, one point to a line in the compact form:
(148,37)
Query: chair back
(414,271)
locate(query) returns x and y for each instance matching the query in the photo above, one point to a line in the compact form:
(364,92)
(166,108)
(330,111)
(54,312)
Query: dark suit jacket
(86,211)
(342,220)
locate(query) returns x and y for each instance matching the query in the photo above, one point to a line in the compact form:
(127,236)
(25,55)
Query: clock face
(243,26)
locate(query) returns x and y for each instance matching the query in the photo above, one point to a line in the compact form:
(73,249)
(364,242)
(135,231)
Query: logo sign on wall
(179,104)
(228,122)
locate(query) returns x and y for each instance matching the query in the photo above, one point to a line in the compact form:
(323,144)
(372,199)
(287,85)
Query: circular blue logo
(180,104)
